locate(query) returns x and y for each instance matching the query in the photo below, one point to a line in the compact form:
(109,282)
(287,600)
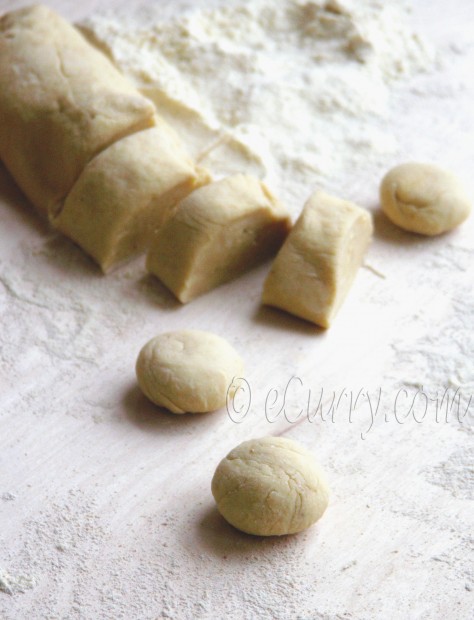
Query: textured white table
(105,504)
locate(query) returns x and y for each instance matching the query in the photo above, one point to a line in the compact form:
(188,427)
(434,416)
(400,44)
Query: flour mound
(294,91)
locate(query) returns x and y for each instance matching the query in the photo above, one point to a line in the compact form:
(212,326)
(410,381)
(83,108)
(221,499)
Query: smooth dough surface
(61,102)
(125,194)
(216,233)
(188,371)
(270,486)
(423,198)
(318,262)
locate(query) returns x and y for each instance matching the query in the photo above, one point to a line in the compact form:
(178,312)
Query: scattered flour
(10,584)
(295,91)
(8,497)
(456,475)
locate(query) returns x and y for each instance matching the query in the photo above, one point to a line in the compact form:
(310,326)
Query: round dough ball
(423,198)
(188,371)
(270,486)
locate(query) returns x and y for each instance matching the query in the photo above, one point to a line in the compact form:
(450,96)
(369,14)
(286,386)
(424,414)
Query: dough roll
(61,102)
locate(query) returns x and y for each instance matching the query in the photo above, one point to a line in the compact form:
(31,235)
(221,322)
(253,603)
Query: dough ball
(188,371)
(423,198)
(270,486)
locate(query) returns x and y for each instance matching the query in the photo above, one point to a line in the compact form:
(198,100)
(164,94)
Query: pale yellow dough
(216,233)
(423,198)
(61,102)
(125,194)
(317,264)
(188,371)
(270,486)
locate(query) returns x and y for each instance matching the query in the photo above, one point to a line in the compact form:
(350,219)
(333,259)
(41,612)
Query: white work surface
(105,503)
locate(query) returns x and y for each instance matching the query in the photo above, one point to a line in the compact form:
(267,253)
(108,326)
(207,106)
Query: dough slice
(61,102)
(125,194)
(216,233)
(317,264)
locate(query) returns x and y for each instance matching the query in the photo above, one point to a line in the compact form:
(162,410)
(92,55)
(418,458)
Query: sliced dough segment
(317,264)
(61,102)
(125,194)
(216,233)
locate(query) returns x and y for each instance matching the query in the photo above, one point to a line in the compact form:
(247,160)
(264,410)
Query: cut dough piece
(423,198)
(61,102)
(314,269)
(125,194)
(216,233)
(188,371)
(270,486)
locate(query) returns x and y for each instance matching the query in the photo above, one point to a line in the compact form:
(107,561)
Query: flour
(10,584)
(296,92)
(456,475)
(8,497)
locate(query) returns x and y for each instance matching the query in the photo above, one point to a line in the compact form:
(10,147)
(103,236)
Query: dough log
(217,233)
(317,264)
(61,102)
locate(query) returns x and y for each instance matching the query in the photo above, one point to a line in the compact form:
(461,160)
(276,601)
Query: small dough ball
(423,198)
(270,487)
(188,371)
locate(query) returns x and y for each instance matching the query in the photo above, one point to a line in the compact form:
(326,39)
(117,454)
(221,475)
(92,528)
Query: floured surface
(105,503)
(294,92)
